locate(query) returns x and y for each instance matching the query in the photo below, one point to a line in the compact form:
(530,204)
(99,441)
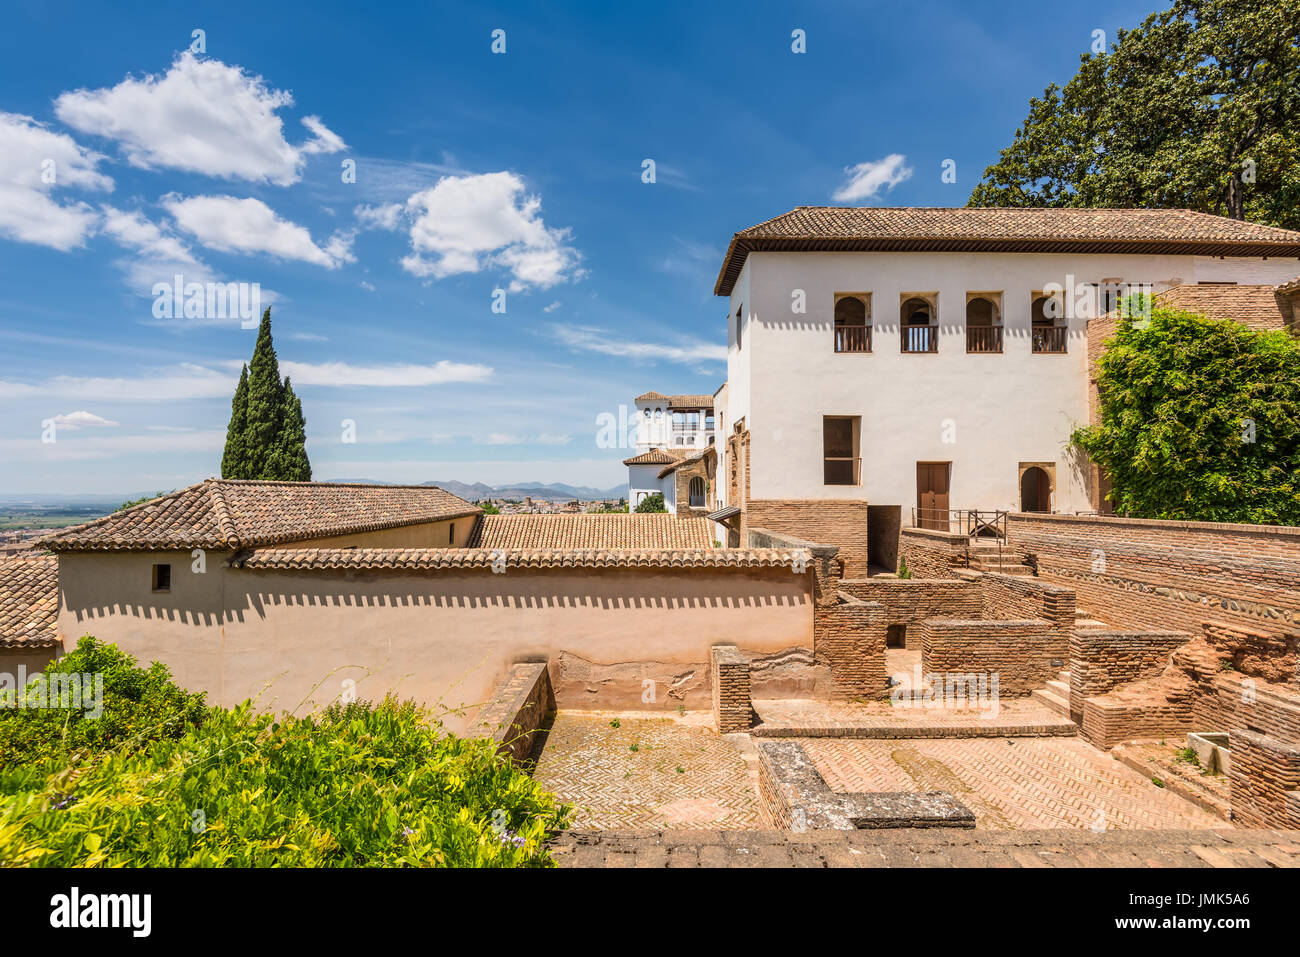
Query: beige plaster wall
(423,535)
(294,637)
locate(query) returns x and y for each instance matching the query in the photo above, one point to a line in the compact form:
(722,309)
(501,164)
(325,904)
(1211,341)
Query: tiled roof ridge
(291,482)
(225,521)
(439,558)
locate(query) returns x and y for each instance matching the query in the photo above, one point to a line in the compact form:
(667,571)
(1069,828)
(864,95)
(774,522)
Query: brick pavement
(592,766)
(1014,783)
(928,848)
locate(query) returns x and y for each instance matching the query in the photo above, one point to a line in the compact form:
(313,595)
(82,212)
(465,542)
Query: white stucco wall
(1002,409)
(642,480)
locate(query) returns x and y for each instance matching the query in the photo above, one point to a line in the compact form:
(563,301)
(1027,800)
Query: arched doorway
(1035,490)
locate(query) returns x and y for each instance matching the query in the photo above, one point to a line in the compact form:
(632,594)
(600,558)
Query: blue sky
(475,171)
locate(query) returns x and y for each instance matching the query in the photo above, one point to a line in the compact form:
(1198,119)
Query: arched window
(915,316)
(983,334)
(647,413)
(659,413)
(1047,333)
(852,324)
(697,492)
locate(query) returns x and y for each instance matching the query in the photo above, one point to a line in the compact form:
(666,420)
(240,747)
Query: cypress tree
(268,433)
(291,463)
(233,459)
(265,405)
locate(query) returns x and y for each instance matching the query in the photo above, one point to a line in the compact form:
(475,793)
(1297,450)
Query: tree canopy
(1199,420)
(1196,108)
(267,435)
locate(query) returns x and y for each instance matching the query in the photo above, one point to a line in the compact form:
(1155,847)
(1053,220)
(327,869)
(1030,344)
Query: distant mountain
(553,492)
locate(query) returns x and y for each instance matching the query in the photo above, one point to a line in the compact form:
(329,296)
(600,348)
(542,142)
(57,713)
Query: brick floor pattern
(1020,783)
(590,765)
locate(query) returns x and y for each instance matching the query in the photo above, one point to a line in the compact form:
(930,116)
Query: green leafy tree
(652,503)
(234,459)
(1194,108)
(267,435)
(1199,420)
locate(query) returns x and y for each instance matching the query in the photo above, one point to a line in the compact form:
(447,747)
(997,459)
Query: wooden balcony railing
(843,471)
(920,339)
(1050,338)
(852,338)
(983,338)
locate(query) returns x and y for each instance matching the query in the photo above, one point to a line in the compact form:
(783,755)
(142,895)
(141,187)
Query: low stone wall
(523,702)
(907,601)
(1265,781)
(932,554)
(1023,655)
(732,708)
(793,796)
(1015,596)
(1102,660)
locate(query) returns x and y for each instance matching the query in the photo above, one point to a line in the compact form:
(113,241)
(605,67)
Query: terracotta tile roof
(228,513)
(1290,288)
(654,457)
(652,530)
(678,401)
(1260,307)
(29,601)
(435,559)
(816,228)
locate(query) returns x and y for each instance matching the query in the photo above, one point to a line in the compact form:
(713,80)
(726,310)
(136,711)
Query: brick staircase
(985,556)
(1056,695)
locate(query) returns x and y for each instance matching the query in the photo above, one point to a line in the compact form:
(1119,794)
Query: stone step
(1059,687)
(1053,701)
(1064,676)
(1006,568)
(1088,623)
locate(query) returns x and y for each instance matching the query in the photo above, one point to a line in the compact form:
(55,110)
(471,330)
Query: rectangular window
(739,322)
(840,436)
(451,534)
(162,578)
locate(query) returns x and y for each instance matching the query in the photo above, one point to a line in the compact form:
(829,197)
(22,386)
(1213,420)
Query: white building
(917,361)
(681,422)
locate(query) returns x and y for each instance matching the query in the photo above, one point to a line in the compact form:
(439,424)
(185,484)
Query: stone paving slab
(932,848)
(810,718)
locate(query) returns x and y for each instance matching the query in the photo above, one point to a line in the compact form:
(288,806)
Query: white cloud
(134,230)
(186,381)
(588,339)
(101,447)
(466,224)
(203,116)
(230,224)
(867,179)
(72,421)
(30,155)
(552,307)
(398,375)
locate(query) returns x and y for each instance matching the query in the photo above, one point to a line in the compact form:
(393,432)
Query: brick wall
(521,704)
(732,708)
(1141,574)
(849,637)
(827,521)
(1101,661)
(931,554)
(1020,653)
(1264,781)
(1014,596)
(906,601)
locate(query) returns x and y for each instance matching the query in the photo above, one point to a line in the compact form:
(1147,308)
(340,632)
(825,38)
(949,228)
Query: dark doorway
(932,495)
(1035,491)
(896,636)
(883,523)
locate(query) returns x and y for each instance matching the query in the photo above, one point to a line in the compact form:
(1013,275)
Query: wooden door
(932,495)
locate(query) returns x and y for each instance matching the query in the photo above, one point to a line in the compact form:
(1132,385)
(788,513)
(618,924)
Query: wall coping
(782,540)
(934,533)
(1281,531)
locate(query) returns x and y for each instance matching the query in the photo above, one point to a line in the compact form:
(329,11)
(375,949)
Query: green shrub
(903,570)
(652,503)
(139,705)
(1199,420)
(360,785)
